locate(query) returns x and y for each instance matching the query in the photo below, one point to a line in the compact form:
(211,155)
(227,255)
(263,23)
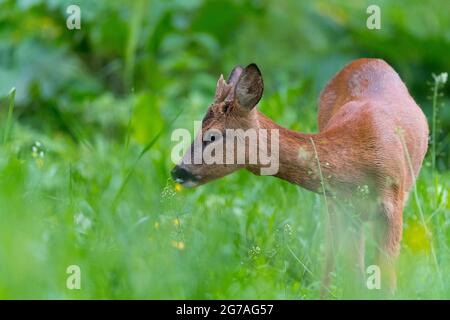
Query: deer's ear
(234,75)
(249,88)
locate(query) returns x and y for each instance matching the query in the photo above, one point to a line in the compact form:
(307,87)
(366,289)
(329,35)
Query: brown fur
(360,110)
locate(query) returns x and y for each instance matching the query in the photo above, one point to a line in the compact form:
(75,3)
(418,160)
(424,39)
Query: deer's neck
(300,155)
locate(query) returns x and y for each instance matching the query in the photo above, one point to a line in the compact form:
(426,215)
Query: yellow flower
(176,222)
(178,187)
(178,245)
(416,237)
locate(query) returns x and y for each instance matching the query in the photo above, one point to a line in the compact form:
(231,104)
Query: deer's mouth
(184,177)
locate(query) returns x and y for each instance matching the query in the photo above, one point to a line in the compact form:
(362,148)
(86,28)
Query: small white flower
(288,229)
(37,150)
(363,190)
(254,251)
(83,222)
(441,78)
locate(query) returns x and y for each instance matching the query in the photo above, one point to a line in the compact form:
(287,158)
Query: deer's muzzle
(182,176)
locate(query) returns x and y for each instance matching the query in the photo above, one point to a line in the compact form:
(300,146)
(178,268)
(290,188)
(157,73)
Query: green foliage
(84,170)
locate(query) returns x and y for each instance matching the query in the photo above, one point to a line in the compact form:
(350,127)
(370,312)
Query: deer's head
(233,108)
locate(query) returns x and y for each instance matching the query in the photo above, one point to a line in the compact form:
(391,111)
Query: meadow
(86,118)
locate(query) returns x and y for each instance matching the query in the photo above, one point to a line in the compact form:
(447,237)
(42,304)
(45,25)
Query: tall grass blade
(143,152)
(8,126)
(133,36)
(399,132)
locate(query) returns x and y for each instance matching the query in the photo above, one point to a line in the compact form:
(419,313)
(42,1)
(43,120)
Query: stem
(322,182)
(128,135)
(12,96)
(433,150)
(320,170)
(136,20)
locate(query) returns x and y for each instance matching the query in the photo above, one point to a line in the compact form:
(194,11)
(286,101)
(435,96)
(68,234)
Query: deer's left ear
(249,88)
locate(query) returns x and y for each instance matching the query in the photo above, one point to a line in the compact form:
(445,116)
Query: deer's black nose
(181,175)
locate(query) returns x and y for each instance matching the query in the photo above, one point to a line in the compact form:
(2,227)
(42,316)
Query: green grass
(239,237)
(85,149)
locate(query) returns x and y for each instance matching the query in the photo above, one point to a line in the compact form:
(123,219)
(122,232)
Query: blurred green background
(77,188)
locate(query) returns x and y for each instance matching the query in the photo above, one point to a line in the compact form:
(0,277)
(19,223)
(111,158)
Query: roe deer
(357,148)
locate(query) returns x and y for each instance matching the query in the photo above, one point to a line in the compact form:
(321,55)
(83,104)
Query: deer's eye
(211,137)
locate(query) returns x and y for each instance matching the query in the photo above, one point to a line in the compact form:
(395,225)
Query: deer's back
(362,79)
(366,104)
